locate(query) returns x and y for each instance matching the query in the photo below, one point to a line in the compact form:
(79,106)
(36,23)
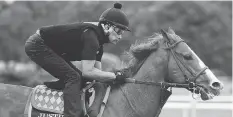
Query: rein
(161,84)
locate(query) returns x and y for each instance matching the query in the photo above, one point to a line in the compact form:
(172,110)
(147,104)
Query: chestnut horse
(157,63)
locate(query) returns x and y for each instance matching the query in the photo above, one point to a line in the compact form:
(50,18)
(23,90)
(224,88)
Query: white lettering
(41,115)
(50,115)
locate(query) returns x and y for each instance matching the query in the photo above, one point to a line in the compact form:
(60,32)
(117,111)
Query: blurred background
(206,26)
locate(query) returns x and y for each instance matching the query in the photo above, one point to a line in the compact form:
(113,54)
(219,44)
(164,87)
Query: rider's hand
(120,77)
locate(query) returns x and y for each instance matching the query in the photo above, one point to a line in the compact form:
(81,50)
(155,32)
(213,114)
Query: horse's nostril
(217,85)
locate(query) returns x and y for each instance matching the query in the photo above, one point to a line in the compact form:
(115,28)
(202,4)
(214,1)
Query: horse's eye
(188,56)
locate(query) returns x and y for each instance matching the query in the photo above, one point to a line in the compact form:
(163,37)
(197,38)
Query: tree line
(206,26)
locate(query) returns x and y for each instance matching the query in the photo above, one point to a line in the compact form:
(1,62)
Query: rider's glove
(120,77)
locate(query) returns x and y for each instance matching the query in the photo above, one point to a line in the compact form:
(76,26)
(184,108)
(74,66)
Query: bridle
(190,82)
(192,85)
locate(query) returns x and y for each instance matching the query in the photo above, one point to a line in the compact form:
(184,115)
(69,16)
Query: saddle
(48,102)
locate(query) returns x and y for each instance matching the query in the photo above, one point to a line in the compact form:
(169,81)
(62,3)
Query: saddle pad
(46,99)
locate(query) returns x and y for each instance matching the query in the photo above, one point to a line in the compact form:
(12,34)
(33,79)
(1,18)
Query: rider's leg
(59,68)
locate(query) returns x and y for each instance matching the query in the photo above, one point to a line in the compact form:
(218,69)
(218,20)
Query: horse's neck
(134,100)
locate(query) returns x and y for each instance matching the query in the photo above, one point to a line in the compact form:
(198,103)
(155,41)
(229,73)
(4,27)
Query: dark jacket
(76,41)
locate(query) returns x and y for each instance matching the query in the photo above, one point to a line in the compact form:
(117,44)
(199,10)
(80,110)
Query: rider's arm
(78,65)
(98,65)
(89,61)
(89,71)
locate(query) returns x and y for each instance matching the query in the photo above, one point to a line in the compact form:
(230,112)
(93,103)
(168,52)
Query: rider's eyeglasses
(118,30)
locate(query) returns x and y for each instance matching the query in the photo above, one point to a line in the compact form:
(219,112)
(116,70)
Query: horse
(158,63)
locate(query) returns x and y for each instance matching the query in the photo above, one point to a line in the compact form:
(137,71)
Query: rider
(54,47)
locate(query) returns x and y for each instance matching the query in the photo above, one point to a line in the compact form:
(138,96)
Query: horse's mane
(139,51)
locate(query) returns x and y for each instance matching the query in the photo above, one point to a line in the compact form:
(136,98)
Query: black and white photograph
(99,58)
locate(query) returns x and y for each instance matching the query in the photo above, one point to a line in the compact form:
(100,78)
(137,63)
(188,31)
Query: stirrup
(83,97)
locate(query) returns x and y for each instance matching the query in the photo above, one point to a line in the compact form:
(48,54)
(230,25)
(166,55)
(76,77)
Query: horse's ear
(171,31)
(156,34)
(164,33)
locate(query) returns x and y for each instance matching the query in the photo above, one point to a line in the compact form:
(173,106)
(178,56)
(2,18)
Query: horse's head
(185,66)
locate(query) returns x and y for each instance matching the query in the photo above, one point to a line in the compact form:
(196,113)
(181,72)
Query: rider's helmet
(116,17)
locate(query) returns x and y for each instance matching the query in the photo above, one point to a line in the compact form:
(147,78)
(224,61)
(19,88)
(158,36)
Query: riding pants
(51,62)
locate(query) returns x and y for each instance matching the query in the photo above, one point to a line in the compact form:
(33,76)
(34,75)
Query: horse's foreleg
(100,90)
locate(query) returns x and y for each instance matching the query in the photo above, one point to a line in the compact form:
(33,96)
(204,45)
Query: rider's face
(115,34)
